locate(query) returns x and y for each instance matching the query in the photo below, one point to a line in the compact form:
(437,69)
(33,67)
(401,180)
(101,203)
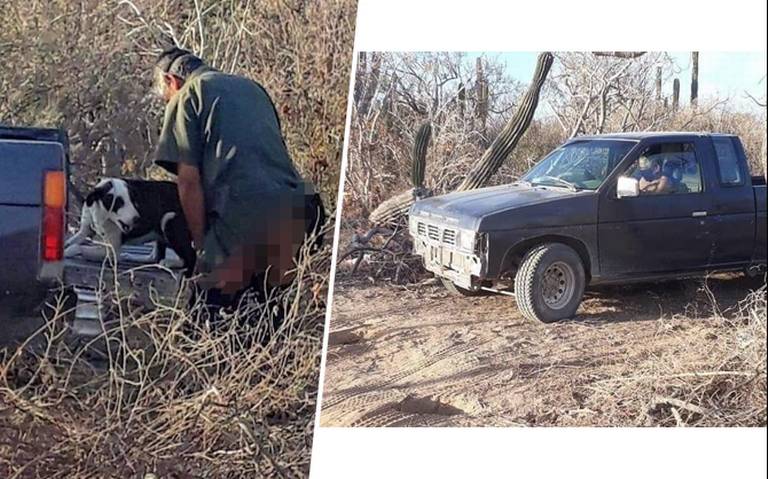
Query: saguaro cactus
(658,83)
(419,154)
(694,78)
(502,146)
(395,208)
(481,94)
(675,94)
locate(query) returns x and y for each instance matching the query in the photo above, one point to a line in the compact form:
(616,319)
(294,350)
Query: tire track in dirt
(440,355)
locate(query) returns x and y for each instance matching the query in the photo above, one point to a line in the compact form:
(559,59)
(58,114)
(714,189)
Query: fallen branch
(679,404)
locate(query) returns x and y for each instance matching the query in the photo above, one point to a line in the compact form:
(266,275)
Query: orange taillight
(55,189)
(54,199)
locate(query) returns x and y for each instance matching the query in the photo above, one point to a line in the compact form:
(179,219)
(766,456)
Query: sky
(721,74)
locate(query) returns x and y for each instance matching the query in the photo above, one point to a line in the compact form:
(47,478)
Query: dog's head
(111,201)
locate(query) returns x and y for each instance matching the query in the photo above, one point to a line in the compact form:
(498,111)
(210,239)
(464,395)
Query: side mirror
(627,187)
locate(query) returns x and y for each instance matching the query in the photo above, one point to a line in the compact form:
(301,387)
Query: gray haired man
(247,207)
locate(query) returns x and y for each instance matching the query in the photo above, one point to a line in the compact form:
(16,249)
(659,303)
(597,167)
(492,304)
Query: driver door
(657,232)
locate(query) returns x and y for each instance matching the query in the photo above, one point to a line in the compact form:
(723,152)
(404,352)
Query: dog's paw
(171,263)
(72,251)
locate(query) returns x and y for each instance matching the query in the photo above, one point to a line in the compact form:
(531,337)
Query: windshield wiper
(561,181)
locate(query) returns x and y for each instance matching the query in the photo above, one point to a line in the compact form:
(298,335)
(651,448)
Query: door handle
(699,214)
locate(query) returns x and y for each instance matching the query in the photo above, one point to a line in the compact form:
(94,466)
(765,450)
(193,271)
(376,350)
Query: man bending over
(247,207)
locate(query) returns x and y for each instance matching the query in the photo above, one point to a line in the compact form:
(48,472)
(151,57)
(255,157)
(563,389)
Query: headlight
(413,222)
(467,240)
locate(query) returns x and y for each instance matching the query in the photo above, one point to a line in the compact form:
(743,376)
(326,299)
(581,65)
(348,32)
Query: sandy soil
(418,356)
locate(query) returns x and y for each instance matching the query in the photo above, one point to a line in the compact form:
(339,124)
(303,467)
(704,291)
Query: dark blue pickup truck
(600,209)
(33,226)
(33,202)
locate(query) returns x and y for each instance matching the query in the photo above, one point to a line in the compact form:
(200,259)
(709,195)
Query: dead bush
(162,392)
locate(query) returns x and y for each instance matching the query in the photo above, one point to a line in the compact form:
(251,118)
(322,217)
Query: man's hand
(192,201)
(648,186)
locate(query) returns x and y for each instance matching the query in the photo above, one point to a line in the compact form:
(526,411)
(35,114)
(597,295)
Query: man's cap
(166,60)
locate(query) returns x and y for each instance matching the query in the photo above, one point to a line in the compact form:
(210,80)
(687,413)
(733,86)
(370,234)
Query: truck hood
(497,205)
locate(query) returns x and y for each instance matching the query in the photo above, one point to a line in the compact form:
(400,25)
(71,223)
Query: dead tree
(372,85)
(362,68)
(502,146)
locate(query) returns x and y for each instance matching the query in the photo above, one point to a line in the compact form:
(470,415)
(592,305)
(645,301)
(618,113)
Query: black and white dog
(121,212)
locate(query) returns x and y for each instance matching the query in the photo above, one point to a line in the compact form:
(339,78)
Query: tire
(459,291)
(550,283)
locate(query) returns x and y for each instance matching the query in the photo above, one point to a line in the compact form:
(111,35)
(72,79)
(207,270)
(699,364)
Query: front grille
(440,234)
(433,232)
(449,237)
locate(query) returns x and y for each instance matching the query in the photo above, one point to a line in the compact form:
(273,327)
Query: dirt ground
(417,356)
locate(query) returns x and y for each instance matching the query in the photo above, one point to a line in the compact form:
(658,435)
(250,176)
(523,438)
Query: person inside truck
(247,207)
(655,177)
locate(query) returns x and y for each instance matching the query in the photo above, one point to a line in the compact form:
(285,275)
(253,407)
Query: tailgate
(24,161)
(99,287)
(143,282)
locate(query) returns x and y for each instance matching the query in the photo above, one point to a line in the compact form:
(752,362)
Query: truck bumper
(463,269)
(99,287)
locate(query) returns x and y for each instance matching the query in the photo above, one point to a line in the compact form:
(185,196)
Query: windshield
(579,165)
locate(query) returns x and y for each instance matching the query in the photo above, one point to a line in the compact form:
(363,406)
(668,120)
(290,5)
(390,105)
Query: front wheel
(550,283)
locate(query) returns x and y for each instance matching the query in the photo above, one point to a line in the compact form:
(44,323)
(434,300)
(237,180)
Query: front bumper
(462,268)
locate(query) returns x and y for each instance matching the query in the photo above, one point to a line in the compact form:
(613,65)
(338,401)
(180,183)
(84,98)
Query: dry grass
(172,396)
(714,375)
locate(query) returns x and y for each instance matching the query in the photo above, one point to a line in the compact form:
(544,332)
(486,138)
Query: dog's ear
(98,193)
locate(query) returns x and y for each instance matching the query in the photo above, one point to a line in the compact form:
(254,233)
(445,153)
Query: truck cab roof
(643,135)
(33,134)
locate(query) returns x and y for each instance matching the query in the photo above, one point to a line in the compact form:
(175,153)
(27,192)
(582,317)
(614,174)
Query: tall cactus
(502,146)
(694,78)
(462,95)
(658,83)
(419,154)
(481,94)
(675,94)
(394,209)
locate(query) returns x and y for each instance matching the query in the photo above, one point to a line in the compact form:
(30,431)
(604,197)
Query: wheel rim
(558,284)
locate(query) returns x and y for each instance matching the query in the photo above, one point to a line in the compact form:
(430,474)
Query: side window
(728,161)
(667,168)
